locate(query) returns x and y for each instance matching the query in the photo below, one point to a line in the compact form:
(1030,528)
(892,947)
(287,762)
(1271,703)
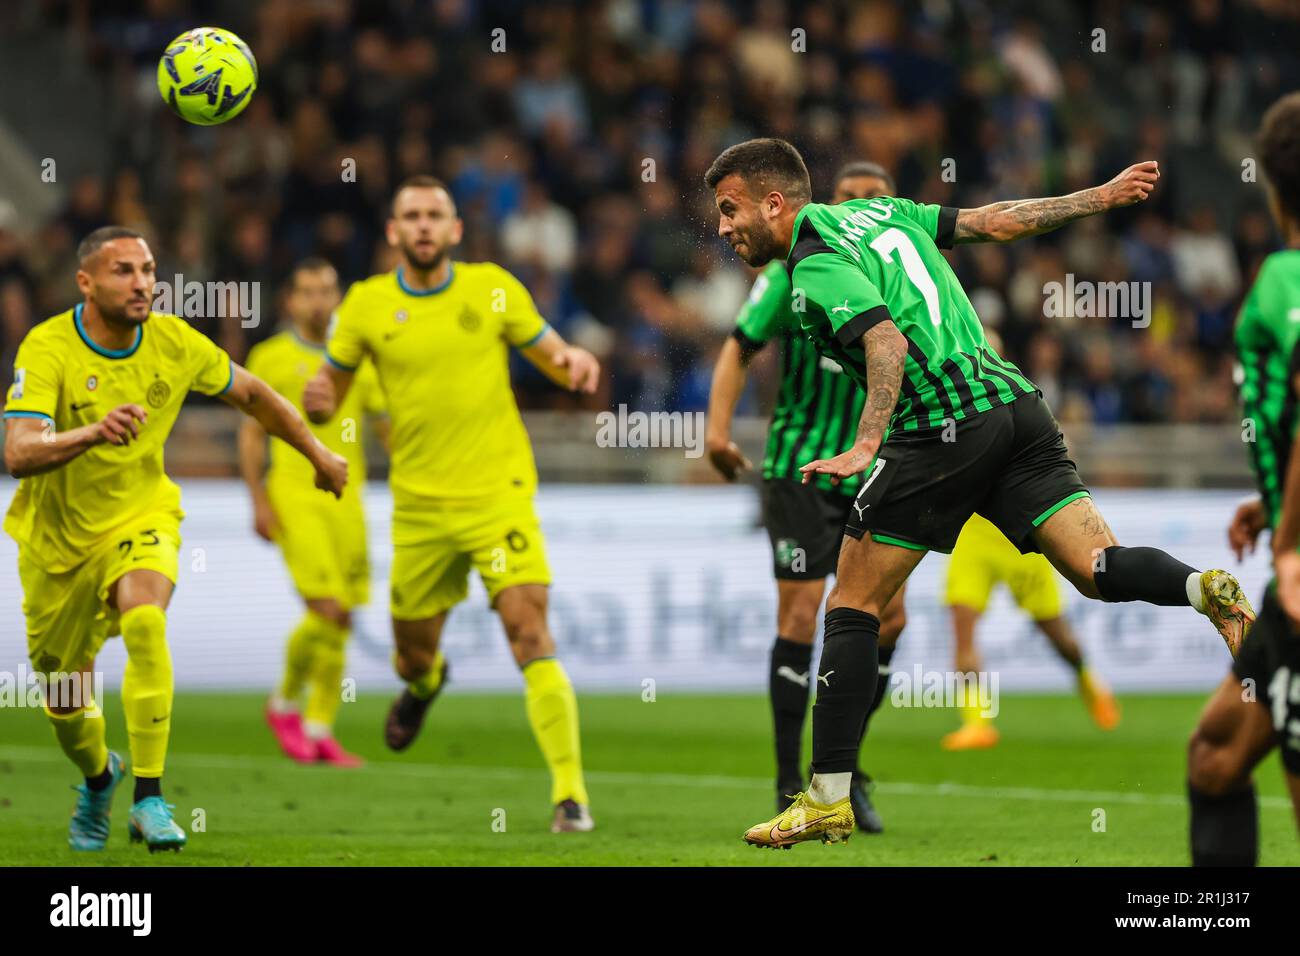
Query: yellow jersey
(68,380)
(287,362)
(442,358)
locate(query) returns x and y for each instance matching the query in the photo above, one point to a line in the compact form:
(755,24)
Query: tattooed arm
(886,349)
(1018,218)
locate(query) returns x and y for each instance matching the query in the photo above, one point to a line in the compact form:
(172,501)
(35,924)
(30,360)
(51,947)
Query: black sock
(846,686)
(100,782)
(1142,574)
(884,655)
(1225,829)
(147,787)
(787,684)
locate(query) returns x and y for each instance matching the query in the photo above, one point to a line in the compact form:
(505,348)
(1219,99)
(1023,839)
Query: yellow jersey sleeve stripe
(337,364)
(232,377)
(18,413)
(546,327)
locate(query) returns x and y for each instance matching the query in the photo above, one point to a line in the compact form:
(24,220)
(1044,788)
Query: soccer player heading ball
(878,298)
(96,392)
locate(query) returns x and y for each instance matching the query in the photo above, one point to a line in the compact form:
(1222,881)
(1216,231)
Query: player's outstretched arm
(566,365)
(729,375)
(279,418)
(1019,218)
(886,350)
(33,446)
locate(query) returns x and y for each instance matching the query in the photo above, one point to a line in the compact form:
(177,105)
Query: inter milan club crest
(92,383)
(469,319)
(158,394)
(400,315)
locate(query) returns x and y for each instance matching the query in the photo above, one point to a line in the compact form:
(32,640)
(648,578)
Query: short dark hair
(1279,150)
(419,181)
(864,167)
(310,264)
(766,163)
(100,238)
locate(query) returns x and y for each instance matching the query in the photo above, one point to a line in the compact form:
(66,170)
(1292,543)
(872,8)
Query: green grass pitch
(674,782)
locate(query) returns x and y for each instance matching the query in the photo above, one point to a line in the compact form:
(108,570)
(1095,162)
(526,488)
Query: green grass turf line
(673,782)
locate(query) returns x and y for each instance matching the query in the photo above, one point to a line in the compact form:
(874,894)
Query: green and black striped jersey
(855,264)
(1268,330)
(817,406)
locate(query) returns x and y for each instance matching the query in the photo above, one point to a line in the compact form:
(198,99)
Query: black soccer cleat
(406,716)
(786,791)
(864,814)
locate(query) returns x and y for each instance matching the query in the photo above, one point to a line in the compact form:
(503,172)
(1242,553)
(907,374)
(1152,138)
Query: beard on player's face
(757,244)
(426,254)
(129,309)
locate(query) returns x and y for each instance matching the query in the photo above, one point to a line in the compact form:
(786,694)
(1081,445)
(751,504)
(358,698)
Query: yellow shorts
(435,547)
(68,617)
(323,541)
(984,558)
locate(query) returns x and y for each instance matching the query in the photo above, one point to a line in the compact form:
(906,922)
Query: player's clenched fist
(582,366)
(119,426)
(1132,185)
(331,471)
(318,397)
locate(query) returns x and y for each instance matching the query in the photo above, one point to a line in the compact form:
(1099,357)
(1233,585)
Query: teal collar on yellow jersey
(304,343)
(401,282)
(99,349)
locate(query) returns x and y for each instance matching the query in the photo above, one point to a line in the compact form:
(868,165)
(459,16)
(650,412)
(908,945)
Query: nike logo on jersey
(842,308)
(78,406)
(790,674)
(159,720)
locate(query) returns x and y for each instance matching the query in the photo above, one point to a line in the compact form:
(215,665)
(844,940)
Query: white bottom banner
(663,584)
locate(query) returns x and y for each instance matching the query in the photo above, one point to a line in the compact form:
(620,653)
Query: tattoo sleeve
(886,350)
(1018,218)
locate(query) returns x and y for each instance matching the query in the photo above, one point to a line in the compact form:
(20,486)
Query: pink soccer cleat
(287,727)
(330,751)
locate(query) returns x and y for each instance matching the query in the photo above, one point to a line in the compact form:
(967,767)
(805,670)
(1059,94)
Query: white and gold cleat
(1226,607)
(804,820)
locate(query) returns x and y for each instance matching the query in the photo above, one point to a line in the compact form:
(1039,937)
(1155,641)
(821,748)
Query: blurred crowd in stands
(575,137)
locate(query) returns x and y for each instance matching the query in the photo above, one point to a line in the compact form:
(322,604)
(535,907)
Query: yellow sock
(82,739)
(326,678)
(973,713)
(553,713)
(298,656)
(426,686)
(147,688)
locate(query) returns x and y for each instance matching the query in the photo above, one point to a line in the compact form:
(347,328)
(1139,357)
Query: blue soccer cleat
(89,827)
(151,822)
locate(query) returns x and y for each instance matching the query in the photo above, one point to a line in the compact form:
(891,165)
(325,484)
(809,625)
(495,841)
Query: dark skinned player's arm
(1019,218)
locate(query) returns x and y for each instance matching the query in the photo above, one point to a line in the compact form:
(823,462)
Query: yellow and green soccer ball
(207,75)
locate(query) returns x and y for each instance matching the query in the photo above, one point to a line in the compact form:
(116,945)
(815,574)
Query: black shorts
(1009,464)
(1270,658)
(805,525)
